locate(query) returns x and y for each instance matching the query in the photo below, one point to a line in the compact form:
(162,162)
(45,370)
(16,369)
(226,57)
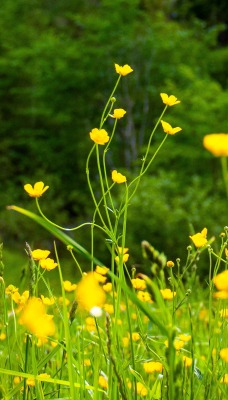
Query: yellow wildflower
(199,239)
(99,136)
(117,177)
(221,294)
(16,380)
(47,301)
(44,375)
(217,144)
(10,289)
(109,308)
(152,366)
(37,190)
(20,299)
(221,280)
(40,254)
(101,270)
(141,389)
(124,256)
(224,379)
(90,324)
(107,287)
(144,296)
(89,293)
(87,362)
(224,354)
(30,382)
(122,250)
(48,264)
(125,341)
(226,253)
(139,284)
(167,128)
(135,336)
(2,336)
(103,382)
(68,286)
(100,278)
(118,113)
(61,301)
(169,100)
(185,337)
(35,319)
(124,70)
(167,294)
(170,264)
(187,361)
(178,344)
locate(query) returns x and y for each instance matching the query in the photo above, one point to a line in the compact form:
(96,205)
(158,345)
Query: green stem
(103,117)
(225,173)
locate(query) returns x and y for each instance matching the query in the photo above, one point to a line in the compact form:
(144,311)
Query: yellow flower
(184,337)
(170,264)
(221,294)
(68,286)
(178,344)
(169,100)
(117,177)
(87,362)
(123,71)
(20,299)
(118,113)
(217,144)
(40,254)
(99,136)
(89,293)
(107,287)
(224,313)
(11,289)
(152,366)
(125,341)
(35,319)
(37,190)
(103,382)
(226,253)
(224,354)
(48,264)
(90,324)
(135,336)
(101,270)
(199,239)
(187,361)
(2,336)
(109,308)
(141,389)
(122,250)
(100,278)
(221,281)
(16,380)
(224,379)
(139,284)
(30,382)
(144,296)
(167,294)
(125,258)
(44,375)
(47,301)
(167,128)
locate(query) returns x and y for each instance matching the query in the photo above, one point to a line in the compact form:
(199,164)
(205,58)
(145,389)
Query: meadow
(116,332)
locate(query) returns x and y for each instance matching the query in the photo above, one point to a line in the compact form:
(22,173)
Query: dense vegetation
(55,64)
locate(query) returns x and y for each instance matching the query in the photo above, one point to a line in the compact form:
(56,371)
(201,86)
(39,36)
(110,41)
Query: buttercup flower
(199,239)
(224,379)
(37,190)
(224,354)
(135,336)
(152,366)
(48,264)
(118,113)
(89,293)
(99,136)
(125,258)
(169,100)
(125,70)
(117,177)
(167,294)
(217,144)
(47,301)
(101,270)
(139,284)
(170,264)
(141,389)
(35,319)
(68,286)
(187,361)
(221,281)
(40,254)
(167,128)
(103,382)
(107,287)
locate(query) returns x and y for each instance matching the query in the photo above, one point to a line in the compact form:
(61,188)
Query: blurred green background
(56,72)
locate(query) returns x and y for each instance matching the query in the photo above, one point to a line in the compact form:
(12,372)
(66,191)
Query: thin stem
(225,173)
(103,117)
